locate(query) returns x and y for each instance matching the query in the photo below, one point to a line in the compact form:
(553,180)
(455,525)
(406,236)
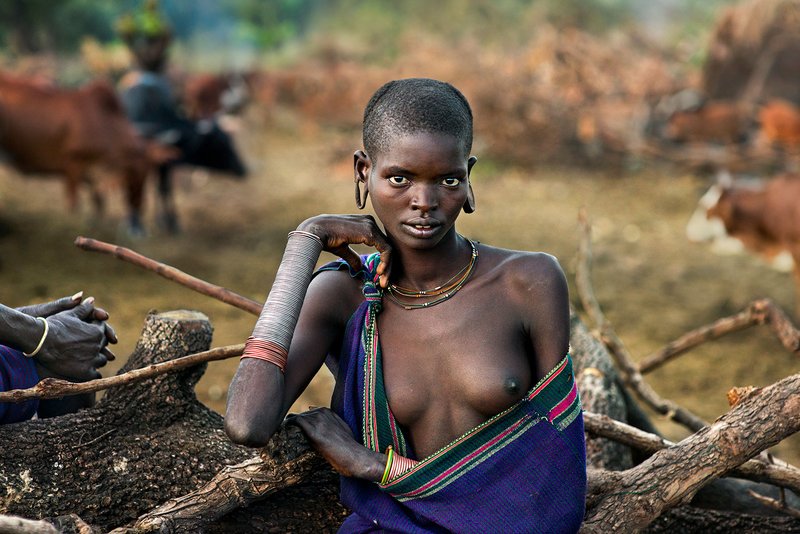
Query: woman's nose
(425,198)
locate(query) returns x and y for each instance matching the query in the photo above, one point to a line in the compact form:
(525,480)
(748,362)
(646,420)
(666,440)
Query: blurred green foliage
(59,25)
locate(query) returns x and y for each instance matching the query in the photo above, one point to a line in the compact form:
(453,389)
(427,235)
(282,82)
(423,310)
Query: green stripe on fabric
(555,391)
(563,422)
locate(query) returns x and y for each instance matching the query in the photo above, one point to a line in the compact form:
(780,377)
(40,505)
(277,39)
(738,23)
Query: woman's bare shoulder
(523,267)
(334,295)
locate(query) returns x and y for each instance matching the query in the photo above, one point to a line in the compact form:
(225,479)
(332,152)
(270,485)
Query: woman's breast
(448,388)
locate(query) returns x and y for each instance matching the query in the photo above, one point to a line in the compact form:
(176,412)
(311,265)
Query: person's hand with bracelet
(338,232)
(66,339)
(76,343)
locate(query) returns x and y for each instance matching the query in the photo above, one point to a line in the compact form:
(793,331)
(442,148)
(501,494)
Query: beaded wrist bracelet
(389,458)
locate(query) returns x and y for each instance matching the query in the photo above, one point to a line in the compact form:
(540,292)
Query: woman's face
(418,187)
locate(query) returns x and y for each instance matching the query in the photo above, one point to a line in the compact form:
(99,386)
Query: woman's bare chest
(452,365)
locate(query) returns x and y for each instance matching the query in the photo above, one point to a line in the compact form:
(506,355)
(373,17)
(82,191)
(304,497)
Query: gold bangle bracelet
(41,341)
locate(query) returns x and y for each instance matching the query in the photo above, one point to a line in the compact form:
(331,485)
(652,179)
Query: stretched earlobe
(361,199)
(361,166)
(469,204)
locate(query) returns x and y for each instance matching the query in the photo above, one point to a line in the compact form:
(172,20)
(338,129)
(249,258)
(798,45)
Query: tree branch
(673,475)
(758,312)
(777,505)
(628,369)
(10,524)
(785,476)
(51,388)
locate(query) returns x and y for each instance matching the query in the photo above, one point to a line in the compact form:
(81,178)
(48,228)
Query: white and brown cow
(763,217)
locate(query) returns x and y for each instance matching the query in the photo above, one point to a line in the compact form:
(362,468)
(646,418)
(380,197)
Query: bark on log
(286,461)
(595,377)
(671,477)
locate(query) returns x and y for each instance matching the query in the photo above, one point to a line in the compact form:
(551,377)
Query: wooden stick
(50,388)
(775,504)
(740,321)
(629,371)
(758,312)
(18,525)
(171,273)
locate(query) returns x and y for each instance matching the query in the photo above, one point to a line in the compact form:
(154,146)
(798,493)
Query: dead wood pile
(565,92)
(150,458)
(755,33)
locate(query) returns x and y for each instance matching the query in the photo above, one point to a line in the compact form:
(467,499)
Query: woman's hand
(76,343)
(338,232)
(332,438)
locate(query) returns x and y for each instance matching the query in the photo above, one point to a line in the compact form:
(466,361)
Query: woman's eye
(451,182)
(398,180)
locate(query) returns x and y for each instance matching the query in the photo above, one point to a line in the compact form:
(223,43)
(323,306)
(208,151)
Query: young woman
(455,407)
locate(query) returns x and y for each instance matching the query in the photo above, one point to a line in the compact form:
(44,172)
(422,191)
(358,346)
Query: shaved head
(412,105)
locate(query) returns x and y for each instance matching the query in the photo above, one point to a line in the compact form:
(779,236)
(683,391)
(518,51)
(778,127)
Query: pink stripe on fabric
(562,406)
(372,417)
(395,441)
(463,461)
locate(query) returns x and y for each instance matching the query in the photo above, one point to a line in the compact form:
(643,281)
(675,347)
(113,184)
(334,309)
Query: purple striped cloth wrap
(523,470)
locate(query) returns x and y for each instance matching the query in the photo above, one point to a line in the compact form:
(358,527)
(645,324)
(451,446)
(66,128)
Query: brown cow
(780,123)
(713,122)
(762,217)
(69,132)
(206,95)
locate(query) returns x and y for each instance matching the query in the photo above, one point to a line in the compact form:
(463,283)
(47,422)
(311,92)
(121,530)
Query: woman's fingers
(100,314)
(350,256)
(110,356)
(100,360)
(85,310)
(111,336)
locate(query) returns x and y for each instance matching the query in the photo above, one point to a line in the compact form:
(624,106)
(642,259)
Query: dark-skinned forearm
(255,403)
(18,330)
(373,466)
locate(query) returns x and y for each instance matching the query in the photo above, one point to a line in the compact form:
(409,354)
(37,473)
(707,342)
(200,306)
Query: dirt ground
(652,283)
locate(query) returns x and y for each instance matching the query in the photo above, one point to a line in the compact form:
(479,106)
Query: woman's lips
(421,228)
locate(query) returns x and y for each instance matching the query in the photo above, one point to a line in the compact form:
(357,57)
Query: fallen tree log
(141,445)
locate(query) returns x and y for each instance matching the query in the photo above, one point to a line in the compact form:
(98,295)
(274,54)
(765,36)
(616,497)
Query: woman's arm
(261,394)
(19,330)
(544,304)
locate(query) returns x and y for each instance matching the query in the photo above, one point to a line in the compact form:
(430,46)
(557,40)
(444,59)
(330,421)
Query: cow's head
(709,221)
(215,150)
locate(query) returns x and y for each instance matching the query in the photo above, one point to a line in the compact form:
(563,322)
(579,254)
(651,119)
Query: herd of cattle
(71,132)
(761,215)
(75,132)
